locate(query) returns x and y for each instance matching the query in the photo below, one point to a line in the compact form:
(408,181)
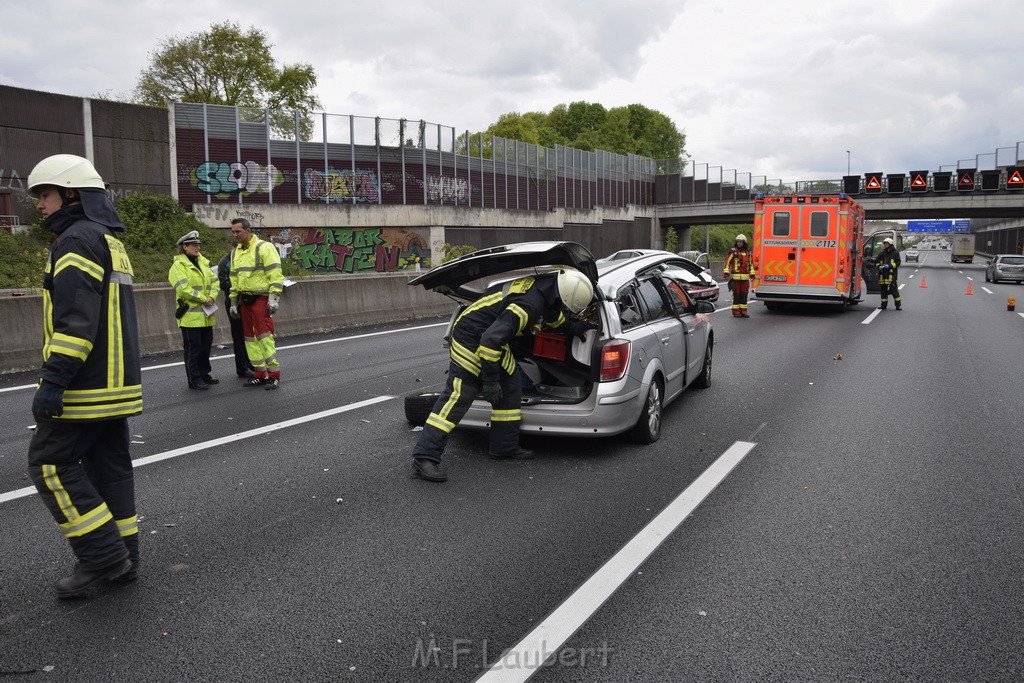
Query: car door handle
(666,340)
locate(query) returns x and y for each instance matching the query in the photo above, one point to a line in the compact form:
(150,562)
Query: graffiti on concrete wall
(224,180)
(442,188)
(352,250)
(341,186)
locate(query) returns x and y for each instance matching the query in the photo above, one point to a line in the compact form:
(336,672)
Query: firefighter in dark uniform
(481,361)
(739,269)
(888,270)
(91,380)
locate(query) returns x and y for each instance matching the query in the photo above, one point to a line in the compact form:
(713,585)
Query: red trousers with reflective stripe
(258,329)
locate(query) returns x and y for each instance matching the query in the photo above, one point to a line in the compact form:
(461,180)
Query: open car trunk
(557,367)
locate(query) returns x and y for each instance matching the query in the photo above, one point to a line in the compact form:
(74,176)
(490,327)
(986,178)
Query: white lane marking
(911,276)
(902,286)
(867,320)
(986,289)
(279,348)
(969,277)
(185,450)
(520,661)
(1021,315)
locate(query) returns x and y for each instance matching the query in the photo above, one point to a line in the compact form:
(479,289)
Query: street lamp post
(847,162)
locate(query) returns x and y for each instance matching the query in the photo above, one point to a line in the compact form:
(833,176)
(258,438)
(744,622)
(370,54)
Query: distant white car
(912,255)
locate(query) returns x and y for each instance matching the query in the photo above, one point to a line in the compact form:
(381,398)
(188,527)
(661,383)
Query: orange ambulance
(807,249)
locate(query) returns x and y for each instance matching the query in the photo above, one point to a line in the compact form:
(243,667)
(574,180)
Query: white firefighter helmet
(575,290)
(887,240)
(65,170)
(741,238)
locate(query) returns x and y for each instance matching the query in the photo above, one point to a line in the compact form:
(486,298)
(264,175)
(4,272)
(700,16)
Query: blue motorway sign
(929,226)
(959,225)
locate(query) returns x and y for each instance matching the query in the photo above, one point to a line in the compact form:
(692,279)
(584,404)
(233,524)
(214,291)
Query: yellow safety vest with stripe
(256,269)
(193,284)
(90,328)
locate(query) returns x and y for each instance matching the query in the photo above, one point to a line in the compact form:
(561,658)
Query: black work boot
(128,576)
(429,470)
(82,579)
(272,384)
(253,382)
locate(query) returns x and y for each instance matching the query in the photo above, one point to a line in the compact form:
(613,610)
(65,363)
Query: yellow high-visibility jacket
(256,269)
(193,285)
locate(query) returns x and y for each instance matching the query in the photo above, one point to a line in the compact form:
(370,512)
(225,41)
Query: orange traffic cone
(970,289)
(924,283)
(1011,303)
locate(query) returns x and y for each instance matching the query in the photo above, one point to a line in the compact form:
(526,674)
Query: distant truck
(807,249)
(963,248)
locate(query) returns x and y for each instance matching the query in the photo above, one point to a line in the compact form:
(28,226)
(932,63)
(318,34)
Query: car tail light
(614,359)
(999,266)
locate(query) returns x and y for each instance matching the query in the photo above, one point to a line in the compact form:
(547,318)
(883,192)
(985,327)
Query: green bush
(452,251)
(22,260)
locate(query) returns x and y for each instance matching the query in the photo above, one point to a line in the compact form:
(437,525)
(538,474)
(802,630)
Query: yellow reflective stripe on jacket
(506,415)
(115,353)
(78,261)
(76,347)
(88,404)
(482,302)
(488,355)
(519,313)
(508,362)
(128,526)
(90,521)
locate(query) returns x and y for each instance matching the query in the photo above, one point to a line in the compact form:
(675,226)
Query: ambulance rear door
(776,247)
(819,247)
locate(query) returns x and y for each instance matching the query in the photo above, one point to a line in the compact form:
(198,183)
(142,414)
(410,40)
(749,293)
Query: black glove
(579,328)
(48,401)
(491,392)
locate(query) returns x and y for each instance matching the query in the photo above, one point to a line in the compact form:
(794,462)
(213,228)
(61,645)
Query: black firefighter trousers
(451,406)
(83,473)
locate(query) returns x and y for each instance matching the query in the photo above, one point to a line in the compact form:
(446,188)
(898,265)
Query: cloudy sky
(781,89)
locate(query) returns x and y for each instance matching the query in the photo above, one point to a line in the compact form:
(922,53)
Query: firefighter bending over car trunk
(481,361)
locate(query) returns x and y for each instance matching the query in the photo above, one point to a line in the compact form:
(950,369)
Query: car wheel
(648,426)
(704,378)
(418,407)
(987,278)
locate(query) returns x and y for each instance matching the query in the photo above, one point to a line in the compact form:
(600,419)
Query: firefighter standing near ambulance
(91,378)
(481,361)
(888,270)
(739,269)
(256,286)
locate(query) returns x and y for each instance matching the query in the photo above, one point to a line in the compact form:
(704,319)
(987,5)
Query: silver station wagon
(652,341)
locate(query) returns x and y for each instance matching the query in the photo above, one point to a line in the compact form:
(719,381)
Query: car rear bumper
(591,417)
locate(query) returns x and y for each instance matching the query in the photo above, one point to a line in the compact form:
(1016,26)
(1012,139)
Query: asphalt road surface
(844,503)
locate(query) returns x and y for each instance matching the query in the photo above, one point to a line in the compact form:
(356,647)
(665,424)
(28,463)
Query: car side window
(652,300)
(630,314)
(680,299)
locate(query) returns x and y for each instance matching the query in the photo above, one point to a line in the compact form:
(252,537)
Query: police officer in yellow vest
(195,290)
(256,285)
(91,379)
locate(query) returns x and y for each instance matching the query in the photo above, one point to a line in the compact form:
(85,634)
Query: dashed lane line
(185,450)
(523,659)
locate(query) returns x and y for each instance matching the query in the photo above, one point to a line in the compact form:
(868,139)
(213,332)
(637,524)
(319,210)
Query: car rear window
(1013,260)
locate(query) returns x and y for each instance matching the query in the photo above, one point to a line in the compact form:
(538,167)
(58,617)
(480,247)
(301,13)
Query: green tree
(225,65)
